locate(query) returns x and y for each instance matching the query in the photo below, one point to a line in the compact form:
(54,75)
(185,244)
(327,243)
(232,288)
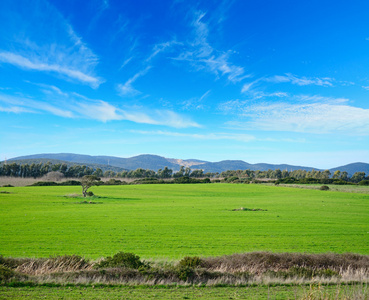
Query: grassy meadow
(173,221)
(248,292)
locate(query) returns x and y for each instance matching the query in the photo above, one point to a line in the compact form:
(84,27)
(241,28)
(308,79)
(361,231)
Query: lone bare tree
(88,181)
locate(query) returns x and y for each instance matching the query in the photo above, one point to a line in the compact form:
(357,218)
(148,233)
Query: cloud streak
(127,88)
(318,118)
(202,56)
(301,81)
(76,106)
(25,63)
(62,53)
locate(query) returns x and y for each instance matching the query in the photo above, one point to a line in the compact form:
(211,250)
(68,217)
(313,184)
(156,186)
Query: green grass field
(358,291)
(172,221)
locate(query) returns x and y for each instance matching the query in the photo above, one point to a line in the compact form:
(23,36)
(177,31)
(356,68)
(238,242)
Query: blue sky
(260,81)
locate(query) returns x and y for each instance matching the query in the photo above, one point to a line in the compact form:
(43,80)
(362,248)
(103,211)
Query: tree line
(37,170)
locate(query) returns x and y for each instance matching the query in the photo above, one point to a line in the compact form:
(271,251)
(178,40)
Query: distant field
(332,187)
(172,221)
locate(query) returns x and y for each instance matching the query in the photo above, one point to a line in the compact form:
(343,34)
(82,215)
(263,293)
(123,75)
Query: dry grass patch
(237,269)
(58,264)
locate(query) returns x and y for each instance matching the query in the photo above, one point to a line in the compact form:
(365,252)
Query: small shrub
(6,273)
(232,179)
(113,181)
(122,259)
(8,185)
(339,182)
(44,183)
(191,261)
(324,188)
(185,273)
(364,182)
(90,194)
(327,273)
(70,182)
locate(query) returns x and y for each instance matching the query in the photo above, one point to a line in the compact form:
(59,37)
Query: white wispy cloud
(25,63)
(126,62)
(308,118)
(46,42)
(74,105)
(195,103)
(319,99)
(127,88)
(99,110)
(15,109)
(210,136)
(247,86)
(201,55)
(27,104)
(161,47)
(300,80)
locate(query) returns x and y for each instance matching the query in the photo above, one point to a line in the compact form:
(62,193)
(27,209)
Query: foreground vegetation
(239,276)
(173,221)
(315,291)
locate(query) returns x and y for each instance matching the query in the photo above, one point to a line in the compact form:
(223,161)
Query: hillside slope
(156,162)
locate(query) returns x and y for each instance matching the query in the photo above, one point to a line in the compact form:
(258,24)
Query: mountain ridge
(156,162)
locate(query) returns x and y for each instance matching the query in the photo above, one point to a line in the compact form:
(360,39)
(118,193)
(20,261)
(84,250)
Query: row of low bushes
(292,180)
(123,267)
(52,183)
(185,179)
(113,181)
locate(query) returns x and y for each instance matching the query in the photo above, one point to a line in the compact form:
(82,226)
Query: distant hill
(68,163)
(353,168)
(145,161)
(155,162)
(241,165)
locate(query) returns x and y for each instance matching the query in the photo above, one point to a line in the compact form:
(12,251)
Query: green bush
(90,194)
(8,185)
(232,179)
(364,182)
(324,188)
(70,182)
(191,261)
(185,273)
(44,183)
(122,259)
(113,181)
(6,273)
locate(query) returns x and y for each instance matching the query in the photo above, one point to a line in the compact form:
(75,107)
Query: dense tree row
(297,174)
(78,171)
(41,169)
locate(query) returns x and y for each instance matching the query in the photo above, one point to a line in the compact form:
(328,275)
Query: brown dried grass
(58,264)
(237,269)
(260,262)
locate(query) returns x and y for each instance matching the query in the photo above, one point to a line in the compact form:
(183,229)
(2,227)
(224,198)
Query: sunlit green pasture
(173,221)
